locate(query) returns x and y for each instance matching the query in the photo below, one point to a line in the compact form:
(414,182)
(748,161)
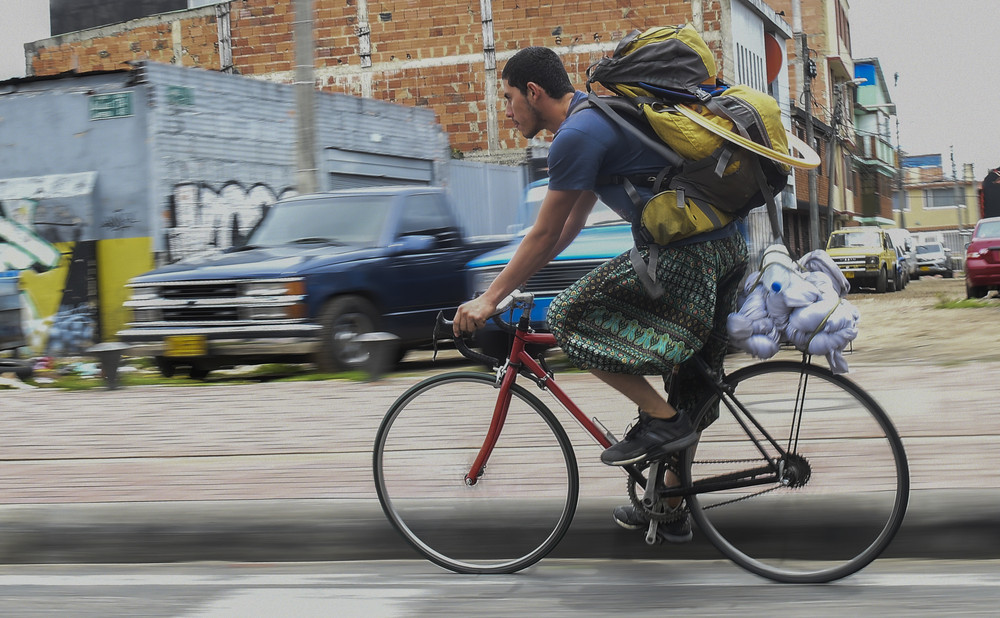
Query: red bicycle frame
(518,362)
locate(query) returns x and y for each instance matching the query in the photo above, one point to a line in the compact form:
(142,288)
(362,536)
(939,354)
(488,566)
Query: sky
(21,21)
(947,55)
(946,52)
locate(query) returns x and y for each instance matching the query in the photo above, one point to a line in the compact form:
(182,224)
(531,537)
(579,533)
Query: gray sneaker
(678,531)
(651,438)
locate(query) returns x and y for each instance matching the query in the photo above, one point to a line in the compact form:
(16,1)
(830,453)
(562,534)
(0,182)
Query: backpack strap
(654,144)
(758,171)
(646,271)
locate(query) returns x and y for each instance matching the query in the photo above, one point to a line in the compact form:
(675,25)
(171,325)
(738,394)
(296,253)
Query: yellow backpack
(727,147)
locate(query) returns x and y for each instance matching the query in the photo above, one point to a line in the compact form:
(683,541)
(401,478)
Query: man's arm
(577,219)
(560,218)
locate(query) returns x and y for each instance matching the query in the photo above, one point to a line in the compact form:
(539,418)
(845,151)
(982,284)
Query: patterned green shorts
(607,321)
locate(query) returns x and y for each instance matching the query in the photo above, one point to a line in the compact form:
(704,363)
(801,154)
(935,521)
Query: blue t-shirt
(589,146)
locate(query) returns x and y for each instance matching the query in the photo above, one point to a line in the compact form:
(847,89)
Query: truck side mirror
(417,243)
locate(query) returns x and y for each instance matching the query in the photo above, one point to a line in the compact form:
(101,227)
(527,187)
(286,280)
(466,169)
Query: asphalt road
(553,588)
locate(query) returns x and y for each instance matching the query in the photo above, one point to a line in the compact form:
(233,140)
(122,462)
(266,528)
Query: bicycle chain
(670,515)
(741,498)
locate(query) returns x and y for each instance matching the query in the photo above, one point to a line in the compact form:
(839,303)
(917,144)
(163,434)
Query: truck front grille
(200,314)
(205,290)
(223,303)
(558,276)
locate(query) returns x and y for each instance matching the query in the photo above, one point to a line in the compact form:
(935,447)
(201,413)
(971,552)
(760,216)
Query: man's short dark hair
(540,65)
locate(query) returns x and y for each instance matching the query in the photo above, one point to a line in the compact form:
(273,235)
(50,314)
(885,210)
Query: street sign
(110,105)
(180,95)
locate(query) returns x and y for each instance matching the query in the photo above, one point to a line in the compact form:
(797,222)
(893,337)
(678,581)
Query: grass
(65,376)
(945,302)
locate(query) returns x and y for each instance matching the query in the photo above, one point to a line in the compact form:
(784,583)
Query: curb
(940,524)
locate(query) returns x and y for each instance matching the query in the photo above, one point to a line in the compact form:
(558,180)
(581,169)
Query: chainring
(660,512)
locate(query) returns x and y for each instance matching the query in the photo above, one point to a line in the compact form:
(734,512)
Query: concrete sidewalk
(282,471)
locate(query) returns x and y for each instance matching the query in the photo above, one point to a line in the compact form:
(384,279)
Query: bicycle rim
(845,496)
(518,510)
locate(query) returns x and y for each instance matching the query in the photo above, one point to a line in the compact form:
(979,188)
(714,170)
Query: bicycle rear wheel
(517,511)
(844,486)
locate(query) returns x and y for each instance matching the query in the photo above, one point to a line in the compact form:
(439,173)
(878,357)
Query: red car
(982,259)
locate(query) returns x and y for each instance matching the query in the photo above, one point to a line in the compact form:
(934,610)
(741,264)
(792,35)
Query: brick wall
(426,53)
(192,41)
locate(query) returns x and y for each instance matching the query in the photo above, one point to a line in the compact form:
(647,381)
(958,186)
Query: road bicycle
(479,476)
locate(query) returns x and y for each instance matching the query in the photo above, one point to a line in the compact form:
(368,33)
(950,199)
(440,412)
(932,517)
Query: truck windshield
(861,238)
(935,248)
(348,220)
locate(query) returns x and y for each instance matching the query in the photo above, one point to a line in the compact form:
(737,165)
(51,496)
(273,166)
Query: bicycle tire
(519,509)
(844,499)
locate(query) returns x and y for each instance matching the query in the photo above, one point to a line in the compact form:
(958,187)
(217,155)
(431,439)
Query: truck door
(420,284)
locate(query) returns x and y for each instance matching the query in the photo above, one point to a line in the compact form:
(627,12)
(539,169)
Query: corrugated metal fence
(486,195)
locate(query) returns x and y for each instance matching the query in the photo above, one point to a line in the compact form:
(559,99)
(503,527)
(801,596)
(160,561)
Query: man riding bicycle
(606,322)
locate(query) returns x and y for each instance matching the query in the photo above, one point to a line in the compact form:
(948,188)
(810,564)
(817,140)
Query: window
(940,198)
(423,214)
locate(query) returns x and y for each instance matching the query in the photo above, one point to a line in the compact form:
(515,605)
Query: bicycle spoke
(843,465)
(518,508)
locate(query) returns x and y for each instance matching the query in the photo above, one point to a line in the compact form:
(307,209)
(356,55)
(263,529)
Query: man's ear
(533,91)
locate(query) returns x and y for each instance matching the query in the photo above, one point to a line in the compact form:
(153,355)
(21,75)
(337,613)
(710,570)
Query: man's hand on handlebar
(472,315)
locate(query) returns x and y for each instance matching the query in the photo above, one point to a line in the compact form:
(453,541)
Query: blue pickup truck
(317,271)
(605,236)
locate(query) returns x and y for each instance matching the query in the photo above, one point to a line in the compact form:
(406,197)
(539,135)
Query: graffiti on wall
(43,226)
(204,219)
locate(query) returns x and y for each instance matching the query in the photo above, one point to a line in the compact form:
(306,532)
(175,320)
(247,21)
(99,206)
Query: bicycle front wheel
(841,491)
(514,514)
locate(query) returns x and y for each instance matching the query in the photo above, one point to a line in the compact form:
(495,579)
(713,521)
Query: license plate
(186,345)
(849,275)
(925,268)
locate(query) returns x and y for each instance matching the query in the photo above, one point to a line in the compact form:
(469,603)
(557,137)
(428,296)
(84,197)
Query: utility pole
(490,66)
(305,90)
(899,179)
(959,197)
(831,149)
(806,76)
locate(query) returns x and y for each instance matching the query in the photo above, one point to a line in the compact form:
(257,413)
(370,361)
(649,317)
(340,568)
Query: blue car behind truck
(316,272)
(605,236)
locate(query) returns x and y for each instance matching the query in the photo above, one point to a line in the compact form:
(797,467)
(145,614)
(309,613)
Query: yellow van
(866,256)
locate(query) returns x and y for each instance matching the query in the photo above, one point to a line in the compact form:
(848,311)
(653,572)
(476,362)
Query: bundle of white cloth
(809,312)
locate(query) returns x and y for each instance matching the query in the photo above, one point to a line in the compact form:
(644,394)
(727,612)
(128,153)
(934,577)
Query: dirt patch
(907,326)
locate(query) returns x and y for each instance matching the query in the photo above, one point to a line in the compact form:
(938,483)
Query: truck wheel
(882,282)
(949,274)
(167,369)
(198,373)
(343,319)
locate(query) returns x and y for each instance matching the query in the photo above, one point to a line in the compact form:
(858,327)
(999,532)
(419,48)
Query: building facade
(875,158)
(103,172)
(823,27)
(937,199)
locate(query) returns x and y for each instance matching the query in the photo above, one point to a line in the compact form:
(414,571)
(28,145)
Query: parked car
(604,236)
(317,271)
(902,266)
(866,257)
(982,259)
(906,252)
(934,259)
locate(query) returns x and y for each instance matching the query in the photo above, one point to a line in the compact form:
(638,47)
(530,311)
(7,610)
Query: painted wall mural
(40,246)
(70,285)
(203,219)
